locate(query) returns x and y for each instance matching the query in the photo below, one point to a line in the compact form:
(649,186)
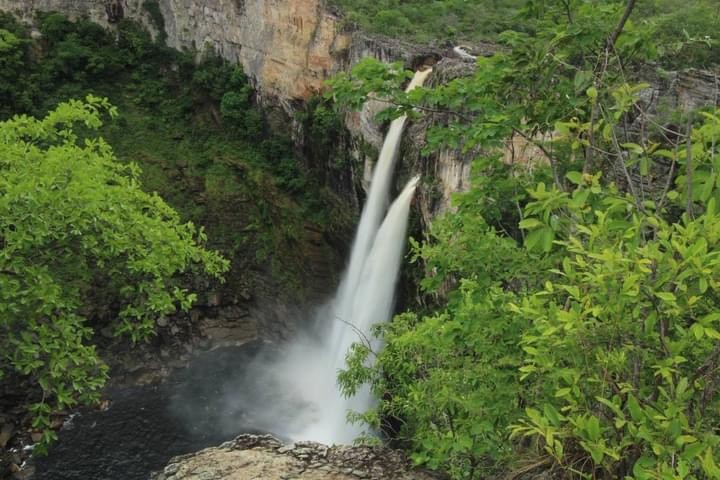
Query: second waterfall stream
(313,407)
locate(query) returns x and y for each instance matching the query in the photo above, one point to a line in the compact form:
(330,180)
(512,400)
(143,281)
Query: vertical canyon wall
(288,47)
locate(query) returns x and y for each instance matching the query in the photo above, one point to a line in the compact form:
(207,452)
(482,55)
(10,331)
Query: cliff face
(288,47)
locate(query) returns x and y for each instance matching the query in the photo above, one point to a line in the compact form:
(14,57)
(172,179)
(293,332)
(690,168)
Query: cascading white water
(310,405)
(370,303)
(375,205)
(366,294)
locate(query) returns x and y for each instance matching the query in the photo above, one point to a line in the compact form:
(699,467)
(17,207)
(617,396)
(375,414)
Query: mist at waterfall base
(291,390)
(307,371)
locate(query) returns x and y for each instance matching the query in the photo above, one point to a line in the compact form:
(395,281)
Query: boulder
(265,457)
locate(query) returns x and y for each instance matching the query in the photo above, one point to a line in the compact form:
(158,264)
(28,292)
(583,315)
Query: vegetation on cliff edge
(86,243)
(74,224)
(193,129)
(581,332)
(683,30)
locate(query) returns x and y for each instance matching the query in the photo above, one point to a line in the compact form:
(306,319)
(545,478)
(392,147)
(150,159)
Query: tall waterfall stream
(364,298)
(290,391)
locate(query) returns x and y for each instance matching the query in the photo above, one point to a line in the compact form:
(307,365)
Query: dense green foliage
(72,221)
(577,326)
(426,20)
(579,330)
(193,129)
(622,345)
(82,248)
(683,31)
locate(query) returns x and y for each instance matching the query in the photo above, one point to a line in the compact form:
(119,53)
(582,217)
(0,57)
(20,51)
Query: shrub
(69,215)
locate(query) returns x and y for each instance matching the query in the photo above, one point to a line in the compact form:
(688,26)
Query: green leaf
(697,330)
(530,223)
(692,450)
(548,236)
(666,297)
(592,93)
(596,452)
(712,333)
(575,177)
(636,412)
(593,428)
(562,392)
(709,466)
(552,414)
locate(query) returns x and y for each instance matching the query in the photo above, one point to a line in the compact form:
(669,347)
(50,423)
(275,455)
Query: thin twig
(689,171)
(363,338)
(422,108)
(520,215)
(668,181)
(529,468)
(621,24)
(621,161)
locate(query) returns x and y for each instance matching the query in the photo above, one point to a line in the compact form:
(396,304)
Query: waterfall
(376,202)
(370,303)
(309,404)
(366,293)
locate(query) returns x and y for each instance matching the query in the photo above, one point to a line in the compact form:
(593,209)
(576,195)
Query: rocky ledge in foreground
(265,457)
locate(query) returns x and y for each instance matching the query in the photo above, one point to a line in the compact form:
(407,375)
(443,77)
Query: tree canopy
(76,230)
(572,322)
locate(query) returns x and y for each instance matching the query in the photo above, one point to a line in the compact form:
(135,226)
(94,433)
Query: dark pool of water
(145,426)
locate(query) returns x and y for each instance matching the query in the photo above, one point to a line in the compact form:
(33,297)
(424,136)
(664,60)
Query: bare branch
(689,171)
(621,24)
(422,108)
(363,338)
(668,181)
(568,12)
(621,162)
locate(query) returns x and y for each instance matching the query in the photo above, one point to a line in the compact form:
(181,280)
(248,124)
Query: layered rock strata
(288,47)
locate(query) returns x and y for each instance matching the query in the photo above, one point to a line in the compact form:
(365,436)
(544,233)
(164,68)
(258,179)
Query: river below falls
(144,426)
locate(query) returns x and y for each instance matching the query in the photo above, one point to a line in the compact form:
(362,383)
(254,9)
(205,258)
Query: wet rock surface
(265,457)
(143,429)
(140,428)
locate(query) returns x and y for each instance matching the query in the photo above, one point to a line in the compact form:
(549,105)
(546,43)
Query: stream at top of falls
(290,391)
